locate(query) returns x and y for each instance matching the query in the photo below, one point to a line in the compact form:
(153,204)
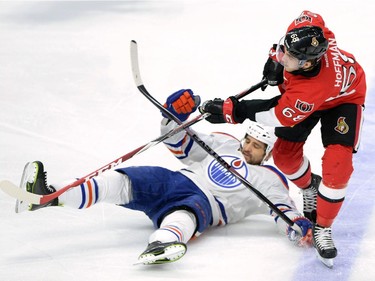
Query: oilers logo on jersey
(222,177)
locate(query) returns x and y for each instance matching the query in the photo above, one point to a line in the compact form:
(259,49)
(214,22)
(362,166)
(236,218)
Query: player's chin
(248,159)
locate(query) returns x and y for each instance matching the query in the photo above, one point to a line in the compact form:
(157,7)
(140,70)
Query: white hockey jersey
(230,200)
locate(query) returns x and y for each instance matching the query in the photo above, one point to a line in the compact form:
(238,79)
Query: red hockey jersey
(340,80)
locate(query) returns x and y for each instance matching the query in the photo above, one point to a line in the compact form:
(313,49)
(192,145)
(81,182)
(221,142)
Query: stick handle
(251,89)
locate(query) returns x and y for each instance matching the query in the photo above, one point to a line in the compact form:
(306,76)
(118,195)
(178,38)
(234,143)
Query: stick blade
(14,191)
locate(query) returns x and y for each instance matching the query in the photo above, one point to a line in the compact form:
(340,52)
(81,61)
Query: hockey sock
(288,157)
(337,165)
(177,226)
(329,203)
(337,169)
(109,187)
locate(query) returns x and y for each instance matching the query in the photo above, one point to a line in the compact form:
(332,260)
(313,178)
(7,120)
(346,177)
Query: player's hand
(273,71)
(303,239)
(221,111)
(182,103)
(215,108)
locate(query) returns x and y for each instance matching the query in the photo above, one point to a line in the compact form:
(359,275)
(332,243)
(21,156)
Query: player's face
(291,63)
(253,150)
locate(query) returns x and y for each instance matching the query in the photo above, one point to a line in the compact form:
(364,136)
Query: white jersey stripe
(301,171)
(332,193)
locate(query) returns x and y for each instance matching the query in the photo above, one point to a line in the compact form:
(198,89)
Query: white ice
(67,98)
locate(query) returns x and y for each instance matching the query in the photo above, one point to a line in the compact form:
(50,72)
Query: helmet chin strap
(301,63)
(309,72)
(266,157)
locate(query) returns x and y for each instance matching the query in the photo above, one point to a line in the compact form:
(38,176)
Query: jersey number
(289,113)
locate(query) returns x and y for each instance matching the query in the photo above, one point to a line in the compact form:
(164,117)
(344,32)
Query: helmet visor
(280,51)
(285,58)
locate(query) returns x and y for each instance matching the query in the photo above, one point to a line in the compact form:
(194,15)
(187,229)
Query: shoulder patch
(304,106)
(302,18)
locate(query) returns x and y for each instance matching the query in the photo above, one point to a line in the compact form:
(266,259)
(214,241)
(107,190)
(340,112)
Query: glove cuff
(228,110)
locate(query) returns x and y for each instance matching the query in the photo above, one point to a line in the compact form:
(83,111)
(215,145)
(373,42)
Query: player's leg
(288,155)
(168,242)
(341,129)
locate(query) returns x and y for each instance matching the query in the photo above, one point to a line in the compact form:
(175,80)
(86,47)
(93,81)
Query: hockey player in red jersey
(318,82)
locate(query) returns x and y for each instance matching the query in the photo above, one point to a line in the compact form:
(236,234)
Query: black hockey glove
(273,71)
(215,107)
(221,111)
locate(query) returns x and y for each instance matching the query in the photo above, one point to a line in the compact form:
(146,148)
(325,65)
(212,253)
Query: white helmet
(262,133)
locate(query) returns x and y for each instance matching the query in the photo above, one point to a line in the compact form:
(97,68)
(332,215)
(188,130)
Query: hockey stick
(23,195)
(209,150)
(137,77)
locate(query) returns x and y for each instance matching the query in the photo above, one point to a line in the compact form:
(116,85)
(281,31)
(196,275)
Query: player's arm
(285,110)
(181,104)
(276,190)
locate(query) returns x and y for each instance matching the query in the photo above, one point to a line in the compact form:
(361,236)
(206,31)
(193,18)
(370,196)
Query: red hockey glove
(304,239)
(182,103)
(273,71)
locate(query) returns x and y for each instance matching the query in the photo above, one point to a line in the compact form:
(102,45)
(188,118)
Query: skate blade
(172,253)
(327,262)
(22,206)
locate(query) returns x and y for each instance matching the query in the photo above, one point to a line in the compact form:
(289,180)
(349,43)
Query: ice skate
(159,253)
(309,197)
(323,243)
(34,180)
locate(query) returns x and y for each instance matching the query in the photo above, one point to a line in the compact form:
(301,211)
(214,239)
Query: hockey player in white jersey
(184,203)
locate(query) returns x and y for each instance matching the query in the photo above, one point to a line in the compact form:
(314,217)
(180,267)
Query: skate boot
(159,253)
(323,243)
(36,182)
(309,197)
